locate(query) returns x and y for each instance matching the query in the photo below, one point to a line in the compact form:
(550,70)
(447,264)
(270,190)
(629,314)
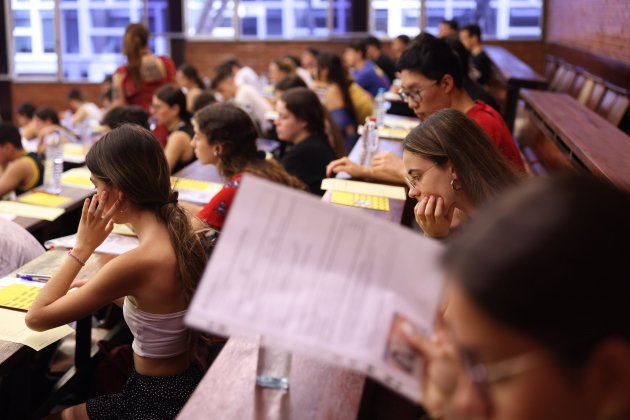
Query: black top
(307,161)
(39,172)
(387,65)
(482,63)
(188,129)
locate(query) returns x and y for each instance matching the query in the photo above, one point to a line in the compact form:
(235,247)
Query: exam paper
(29,210)
(321,280)
(13,327)
(195,191)
(77,178)
(367,188)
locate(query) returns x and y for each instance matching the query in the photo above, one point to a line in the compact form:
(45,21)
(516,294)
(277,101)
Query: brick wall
(53,94)
(599,27)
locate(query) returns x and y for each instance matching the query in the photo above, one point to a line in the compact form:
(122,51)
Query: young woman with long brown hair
(452,167)
(225,136)
(154,283)
(135,83)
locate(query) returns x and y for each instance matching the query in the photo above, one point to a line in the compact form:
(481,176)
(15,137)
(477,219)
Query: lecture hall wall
(597,26)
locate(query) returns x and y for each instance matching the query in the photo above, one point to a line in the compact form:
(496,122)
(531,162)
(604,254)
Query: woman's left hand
(95,224)
(433,217)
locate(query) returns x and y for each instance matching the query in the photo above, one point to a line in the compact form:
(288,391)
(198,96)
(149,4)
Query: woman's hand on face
(345,165)
(433,216)
(96,223)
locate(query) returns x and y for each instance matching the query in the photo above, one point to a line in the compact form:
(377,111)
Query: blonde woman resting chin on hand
(155,281)
(451,168)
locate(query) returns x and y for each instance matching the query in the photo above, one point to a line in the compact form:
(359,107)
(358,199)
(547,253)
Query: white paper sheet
(114,244)
(319,279)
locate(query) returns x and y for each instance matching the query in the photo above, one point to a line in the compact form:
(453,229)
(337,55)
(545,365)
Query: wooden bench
(509,74)
(564,135)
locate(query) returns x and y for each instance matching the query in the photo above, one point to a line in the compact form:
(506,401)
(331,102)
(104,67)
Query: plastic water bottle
(370,141)
(54,163)
(380,106)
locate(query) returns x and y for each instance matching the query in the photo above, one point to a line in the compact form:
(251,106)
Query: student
(300,71)
(448,28)
(120,115)
(279,69)
(82,110)
(188,79)
(451,165)
(20,171)
(308,61)
(367,74)
(225,136)
(18,247)
(301,121)
(154,283)
(243,75)
(374,51)
(136,82)
(25,113)
(432,80)
(169,108)
(537,310)
(205,98)
(474,89)
(399,44)
(347,103)
(286,83)
(470,36)
(244,96)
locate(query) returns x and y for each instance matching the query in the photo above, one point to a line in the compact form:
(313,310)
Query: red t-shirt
(494,126)
(216,210)
(143,94)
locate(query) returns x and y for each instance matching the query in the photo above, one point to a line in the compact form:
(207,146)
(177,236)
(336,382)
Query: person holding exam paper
(225,136)
(154,283)
(537,319)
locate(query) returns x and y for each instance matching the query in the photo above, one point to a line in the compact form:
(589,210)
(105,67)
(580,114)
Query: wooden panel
(601,147)
(596,95)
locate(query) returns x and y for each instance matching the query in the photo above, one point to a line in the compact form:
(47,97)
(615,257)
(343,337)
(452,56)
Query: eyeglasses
(416,95)
(413,181)
(482,375)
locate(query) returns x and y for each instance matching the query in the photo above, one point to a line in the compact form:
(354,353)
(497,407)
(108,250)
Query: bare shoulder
(152,68)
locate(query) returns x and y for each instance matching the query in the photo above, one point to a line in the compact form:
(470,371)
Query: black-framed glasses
(415,95)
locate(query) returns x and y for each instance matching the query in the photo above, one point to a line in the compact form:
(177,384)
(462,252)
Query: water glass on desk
(274,368)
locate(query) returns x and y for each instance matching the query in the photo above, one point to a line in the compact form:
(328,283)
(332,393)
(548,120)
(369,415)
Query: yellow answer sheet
(44,199)
(18,296)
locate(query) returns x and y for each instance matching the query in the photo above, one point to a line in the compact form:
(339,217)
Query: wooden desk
(509,75)
(15,358)
(317,390)
(563,134)
(43,229)
(397,208)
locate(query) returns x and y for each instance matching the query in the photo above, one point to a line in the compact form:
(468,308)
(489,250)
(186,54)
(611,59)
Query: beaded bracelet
(76,258)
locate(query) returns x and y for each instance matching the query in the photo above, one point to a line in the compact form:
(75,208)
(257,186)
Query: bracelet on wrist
(70,254)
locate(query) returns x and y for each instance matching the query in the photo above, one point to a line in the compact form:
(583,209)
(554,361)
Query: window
(91,34)
(498,19)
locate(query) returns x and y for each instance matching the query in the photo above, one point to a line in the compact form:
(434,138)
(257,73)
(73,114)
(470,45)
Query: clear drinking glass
(274,368)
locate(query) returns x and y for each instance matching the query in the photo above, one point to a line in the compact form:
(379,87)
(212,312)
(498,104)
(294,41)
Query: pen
(33,277)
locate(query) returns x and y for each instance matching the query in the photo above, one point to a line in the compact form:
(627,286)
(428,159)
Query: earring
(455,186)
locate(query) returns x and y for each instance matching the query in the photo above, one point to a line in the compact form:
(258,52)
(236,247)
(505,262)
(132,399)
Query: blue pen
(33,277)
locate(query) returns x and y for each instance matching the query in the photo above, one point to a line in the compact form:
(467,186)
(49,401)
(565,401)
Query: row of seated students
(456,163)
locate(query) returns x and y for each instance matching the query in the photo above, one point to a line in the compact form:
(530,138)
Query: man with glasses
(432,80)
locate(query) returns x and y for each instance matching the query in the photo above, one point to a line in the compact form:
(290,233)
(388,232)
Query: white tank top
(156,335)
